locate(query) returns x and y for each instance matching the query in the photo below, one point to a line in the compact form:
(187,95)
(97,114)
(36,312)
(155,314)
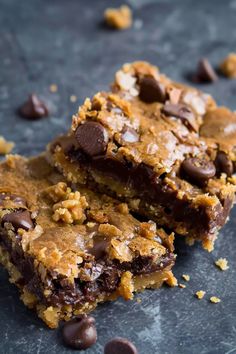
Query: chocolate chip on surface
(92,137)
(33,108)
(182,112)
(151,90)
(19,219)
(120,346)
(205,72)
(199,171)
(224,164)
(129,135)
(80,333)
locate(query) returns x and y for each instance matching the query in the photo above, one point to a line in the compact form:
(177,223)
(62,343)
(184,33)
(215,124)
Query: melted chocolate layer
(154,190)
(103,273)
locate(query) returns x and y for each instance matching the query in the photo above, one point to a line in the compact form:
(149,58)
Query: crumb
(138,300)
(222,263)
(186,277)
(200,294)
(215,300)
(53,88)
(182,286)
(73,98)
(120,18)
(5,146)
(228,66)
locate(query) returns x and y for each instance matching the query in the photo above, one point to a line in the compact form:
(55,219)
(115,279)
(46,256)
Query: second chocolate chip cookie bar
(68,249)
(141,143)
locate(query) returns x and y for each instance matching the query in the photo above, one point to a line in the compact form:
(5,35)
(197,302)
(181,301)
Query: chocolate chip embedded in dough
(199,171)
(80,333)
(120,345)
(151,90)
(92,137)
(182,112)
(33,108)
(224,164)
(19,219)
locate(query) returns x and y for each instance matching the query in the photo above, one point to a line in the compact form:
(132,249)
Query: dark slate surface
(63,42)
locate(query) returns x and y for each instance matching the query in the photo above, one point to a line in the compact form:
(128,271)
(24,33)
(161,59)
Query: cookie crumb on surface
(215,300)
(228,66)
(120,18)
(53,88)
(138,300)
(5,146)
(182,286)
(200,294)
(73,98)
(222,263)
(186,277)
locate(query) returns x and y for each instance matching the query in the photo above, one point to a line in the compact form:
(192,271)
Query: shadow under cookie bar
(144,143)
(68,250)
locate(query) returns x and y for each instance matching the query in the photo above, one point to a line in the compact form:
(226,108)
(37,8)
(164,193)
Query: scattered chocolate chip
(99,248)
(151,90)
(224,164)
(182,112)
(19,219)
(120,346)
(92,138)
(80,333)
(199,171)
(129,135)
(205,72)
(33,108)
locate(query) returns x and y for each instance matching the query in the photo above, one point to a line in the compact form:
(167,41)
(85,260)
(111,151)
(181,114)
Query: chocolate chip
(129,135)
(80,333)
(151,90)
(205,72)
(224,164)
(92,137)
(199,171)
(33,108)
(120,345)
(19,219)
(182,112)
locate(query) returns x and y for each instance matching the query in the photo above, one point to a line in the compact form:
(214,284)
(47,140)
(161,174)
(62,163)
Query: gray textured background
(63,42)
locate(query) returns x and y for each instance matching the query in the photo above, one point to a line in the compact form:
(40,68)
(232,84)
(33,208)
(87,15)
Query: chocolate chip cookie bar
(68,249)
(145,143)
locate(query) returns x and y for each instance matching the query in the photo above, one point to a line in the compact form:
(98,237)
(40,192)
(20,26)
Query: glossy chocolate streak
(153,189)
(105,274)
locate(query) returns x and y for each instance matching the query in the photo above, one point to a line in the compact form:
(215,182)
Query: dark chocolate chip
(92,137)
(205,72)
(129,135)
(151,90)
(120,346)
(80,333)
(99,248)
(182,112)
(19,219)
(224,164)
(198,170)
(33,108)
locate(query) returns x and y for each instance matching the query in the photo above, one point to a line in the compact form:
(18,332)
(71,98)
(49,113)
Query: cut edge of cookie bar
(33,254)
(220,205)
(52,315)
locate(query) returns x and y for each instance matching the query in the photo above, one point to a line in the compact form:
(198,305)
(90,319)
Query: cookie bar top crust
(142,143)
(68,249)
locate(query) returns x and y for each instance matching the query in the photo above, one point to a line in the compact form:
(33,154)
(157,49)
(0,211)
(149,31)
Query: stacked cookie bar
(165,149)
